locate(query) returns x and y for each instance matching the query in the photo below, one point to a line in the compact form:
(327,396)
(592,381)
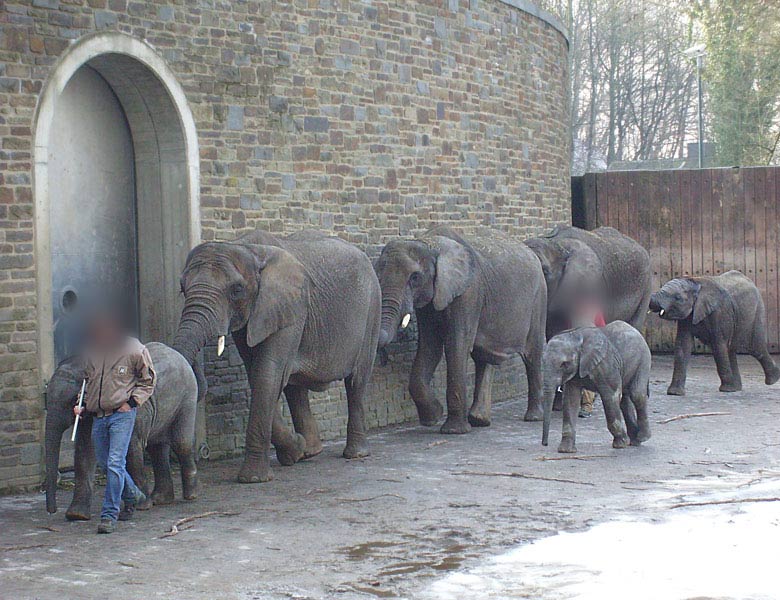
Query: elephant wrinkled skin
(614,361)
(482,295)
(602,264)
(303,312)
(727,313)
(165,422)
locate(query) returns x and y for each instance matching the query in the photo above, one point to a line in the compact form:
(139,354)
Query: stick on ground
(522,476)
(717,502)
(693,415)
(177,526)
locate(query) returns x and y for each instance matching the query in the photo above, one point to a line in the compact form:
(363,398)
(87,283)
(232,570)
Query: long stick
(692,416)
(80,404)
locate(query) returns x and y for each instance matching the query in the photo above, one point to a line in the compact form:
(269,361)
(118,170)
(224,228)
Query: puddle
(367,549)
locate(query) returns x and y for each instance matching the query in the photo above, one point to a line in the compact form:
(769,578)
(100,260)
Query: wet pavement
(439,517)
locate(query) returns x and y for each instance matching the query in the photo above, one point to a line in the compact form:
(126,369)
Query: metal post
(699,64)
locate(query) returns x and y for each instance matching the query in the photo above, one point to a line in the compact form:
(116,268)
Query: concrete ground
(422,507)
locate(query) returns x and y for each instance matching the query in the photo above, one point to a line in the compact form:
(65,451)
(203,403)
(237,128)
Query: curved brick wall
(367,118)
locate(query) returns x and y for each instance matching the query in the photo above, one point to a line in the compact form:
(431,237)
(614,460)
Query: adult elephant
(304,312)
(602,265)
(483,295)
(166,421)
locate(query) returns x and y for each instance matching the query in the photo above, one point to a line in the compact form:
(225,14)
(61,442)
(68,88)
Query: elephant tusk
(559,390)
(405,320)
(662,312)
(220,345)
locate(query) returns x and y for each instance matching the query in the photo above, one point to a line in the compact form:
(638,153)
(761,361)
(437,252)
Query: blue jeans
(111,438)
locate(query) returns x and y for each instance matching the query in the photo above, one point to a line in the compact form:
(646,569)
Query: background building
(133,130)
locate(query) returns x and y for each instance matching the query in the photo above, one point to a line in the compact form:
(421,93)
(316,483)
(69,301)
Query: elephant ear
(454,271)
(596,353)
(281,294)
(709,298)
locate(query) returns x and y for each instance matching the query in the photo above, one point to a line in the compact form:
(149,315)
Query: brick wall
(369,118)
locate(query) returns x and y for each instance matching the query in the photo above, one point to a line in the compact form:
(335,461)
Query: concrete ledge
(543,15)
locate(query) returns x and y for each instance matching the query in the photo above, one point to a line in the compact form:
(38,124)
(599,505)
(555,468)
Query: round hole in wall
(69,301)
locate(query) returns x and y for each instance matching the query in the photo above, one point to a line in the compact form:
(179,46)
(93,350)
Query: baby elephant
(613,361)
(727,313)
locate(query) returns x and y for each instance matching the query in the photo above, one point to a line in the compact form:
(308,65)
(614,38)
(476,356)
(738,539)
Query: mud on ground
(422,506)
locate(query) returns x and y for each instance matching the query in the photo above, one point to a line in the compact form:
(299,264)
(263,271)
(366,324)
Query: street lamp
(698,52)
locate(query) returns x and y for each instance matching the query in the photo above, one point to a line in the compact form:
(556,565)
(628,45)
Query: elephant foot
(479,420)
(567,446)
(643,434)
(146,504)
(534,414)
(356,450)
(730,387)
(430,415)
(190,491)
(254,471)
(620,442)
(162,497)
(291,454)
(455,425)
(675,390)
(772,376)
(313,448)
(78,512)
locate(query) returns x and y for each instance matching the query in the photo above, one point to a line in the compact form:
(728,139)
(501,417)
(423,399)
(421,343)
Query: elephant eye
(237,291)
(415,278)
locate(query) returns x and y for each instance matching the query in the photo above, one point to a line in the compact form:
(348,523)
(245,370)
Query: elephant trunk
(397,307)
(199,322)
(548,395)
(56,425)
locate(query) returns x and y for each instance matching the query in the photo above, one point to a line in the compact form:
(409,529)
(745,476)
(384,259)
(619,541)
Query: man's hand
(77,410)
(124,408)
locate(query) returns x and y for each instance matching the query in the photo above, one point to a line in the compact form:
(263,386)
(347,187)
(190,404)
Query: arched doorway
(116,189)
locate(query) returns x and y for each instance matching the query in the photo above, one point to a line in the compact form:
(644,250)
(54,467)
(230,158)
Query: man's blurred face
(104,332)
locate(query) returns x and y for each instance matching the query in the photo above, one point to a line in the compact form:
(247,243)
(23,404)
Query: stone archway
(164,170)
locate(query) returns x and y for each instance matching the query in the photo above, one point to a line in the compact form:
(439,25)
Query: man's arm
(146,379)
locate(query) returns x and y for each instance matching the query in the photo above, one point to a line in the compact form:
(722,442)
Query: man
(120,378)
(588,314)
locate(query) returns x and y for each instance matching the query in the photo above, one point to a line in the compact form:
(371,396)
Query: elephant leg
(163,481)
(135,464)
(683,346)
(639,400)
(304,422)
(456,350)
(533,370)
(289,445)
(84,467)
(479,415)
(427,358)
(268,376)
(571,411)
(734,364)
(728,381)
(611,400)
(182,445)
(771,371)
(632,428)
(357,442)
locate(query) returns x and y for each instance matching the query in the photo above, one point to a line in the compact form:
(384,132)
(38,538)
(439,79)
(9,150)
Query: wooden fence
(692,222)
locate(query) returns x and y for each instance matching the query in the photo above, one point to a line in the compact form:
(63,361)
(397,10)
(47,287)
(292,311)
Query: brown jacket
(117,376)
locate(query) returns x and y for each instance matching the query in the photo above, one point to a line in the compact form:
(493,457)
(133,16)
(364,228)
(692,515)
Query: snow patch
(722,551)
